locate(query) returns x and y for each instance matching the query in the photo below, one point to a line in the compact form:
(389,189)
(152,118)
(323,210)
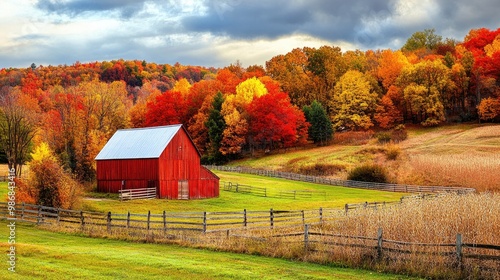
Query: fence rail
(231,223)
(343,183)
(144,193)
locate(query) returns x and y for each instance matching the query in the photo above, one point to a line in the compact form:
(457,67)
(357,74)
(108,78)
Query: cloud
(126,8)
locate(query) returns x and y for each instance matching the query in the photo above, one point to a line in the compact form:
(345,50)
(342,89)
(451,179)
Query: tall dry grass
(432,221)
(461,170)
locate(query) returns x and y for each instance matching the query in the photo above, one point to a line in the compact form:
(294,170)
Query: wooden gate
(183,190)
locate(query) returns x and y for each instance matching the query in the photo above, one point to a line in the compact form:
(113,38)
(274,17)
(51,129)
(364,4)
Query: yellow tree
(182,86)
(354,102)
(235,116)
(425,86)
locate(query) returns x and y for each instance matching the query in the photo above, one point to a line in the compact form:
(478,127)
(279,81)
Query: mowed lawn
(47,255)
(322,196)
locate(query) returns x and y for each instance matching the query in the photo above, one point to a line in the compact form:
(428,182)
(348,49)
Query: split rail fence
(231,224)
(343,183)
(264,192)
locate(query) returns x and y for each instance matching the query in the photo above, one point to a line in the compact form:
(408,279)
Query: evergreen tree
(321,130)
(215,125)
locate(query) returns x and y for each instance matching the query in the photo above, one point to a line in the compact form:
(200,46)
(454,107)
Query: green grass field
(336,197)
(48,255)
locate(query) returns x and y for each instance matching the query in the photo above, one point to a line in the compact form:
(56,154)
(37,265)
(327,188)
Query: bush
(383,137)
(399,133)
(49,184)
(392,152)
(368,173)
(321,169)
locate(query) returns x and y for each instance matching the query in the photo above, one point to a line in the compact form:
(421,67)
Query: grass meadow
(51,255)
(336,197)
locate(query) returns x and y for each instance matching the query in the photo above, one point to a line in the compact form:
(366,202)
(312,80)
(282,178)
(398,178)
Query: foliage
(426,39)
(399,133)
(274,122)
(383,137)
(368,173)
(321,129)
(353,102)
(49,184)
(489,108)
(392,152)
(215,125)
(19,117)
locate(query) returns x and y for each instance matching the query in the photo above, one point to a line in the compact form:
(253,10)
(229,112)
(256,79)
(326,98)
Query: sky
(220,32)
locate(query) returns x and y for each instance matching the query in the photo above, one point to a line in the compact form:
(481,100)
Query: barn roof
(136,143)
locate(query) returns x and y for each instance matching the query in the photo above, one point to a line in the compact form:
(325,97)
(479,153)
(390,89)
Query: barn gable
(163,157)
(138,142)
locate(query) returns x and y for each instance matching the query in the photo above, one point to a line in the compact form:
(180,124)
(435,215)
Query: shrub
(383,137)
(49,184)
(368,173)
(321,169)
(399,133)
(353,137)
(392,152)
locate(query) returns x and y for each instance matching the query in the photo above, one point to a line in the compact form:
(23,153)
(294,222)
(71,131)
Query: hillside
(457,155)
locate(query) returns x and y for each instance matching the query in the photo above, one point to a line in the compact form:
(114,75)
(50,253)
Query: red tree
(275,122)
(168,108)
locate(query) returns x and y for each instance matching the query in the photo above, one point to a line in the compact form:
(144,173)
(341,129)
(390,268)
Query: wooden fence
(320,241)
(145,193)
(167,221)
(231,224)
(343,183)
(264,192)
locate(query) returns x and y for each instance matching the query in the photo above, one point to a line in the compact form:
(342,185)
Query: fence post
(459,250)
(271,217)
(245,218)
(22,211)
(149,220)
(108,222)
(82,220)
(128,219)
(379,243)
(164,222)
(346,208)
(204,222)
(58,215)
(306,237)
(321,215)
(39,216)
(303,217)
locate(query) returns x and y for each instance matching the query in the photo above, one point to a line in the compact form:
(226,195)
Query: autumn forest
(299,97)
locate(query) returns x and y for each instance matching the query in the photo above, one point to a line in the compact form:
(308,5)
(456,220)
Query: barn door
(183,190)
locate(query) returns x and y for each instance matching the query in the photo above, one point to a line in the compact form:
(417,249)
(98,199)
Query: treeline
(306,94)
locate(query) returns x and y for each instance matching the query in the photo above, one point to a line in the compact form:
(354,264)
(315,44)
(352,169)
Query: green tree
(215,125)
(354,102)
(321,129)
(426,39)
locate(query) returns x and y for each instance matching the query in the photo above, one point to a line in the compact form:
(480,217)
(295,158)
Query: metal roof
(134,143)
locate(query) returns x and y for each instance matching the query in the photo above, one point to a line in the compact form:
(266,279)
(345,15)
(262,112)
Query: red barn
(163,157)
